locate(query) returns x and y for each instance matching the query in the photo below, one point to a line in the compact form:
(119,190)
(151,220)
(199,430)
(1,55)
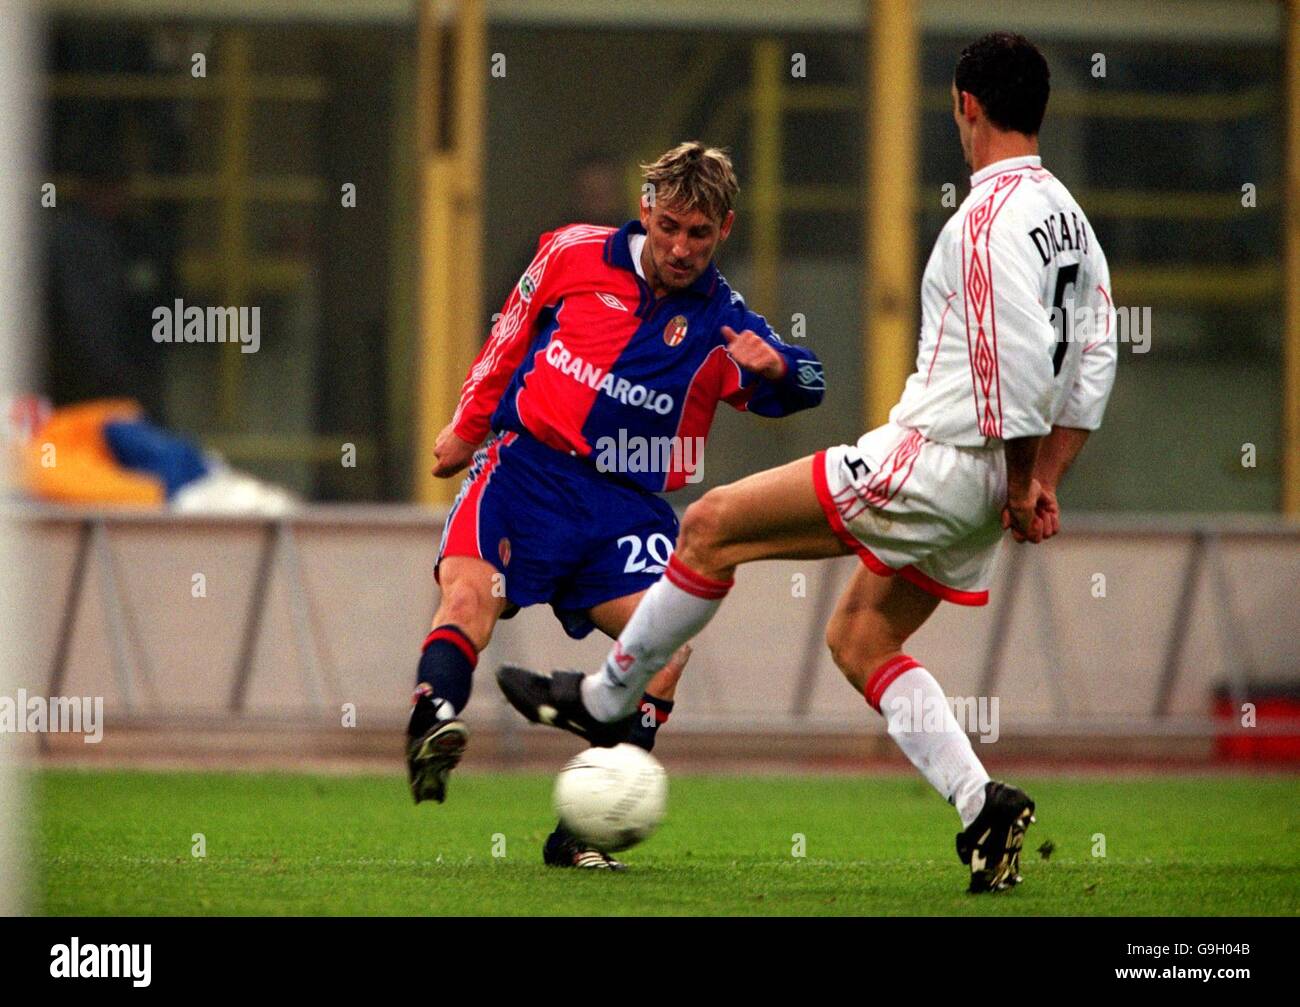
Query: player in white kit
(1015,363)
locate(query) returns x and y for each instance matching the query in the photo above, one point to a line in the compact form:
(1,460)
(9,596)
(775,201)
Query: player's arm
(1056,454)
(1086,402)
(1031,512)
(495,364)
(1022,345)
(1035,467)
(771,377)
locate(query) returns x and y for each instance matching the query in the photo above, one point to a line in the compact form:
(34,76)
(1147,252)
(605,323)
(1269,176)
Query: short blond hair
(692,176)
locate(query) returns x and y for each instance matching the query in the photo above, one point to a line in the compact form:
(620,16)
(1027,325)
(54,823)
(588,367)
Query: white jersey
(992,361)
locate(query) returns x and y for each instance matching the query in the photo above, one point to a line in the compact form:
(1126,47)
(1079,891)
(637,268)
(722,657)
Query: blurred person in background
(599,194)
(99,344)
(110,258)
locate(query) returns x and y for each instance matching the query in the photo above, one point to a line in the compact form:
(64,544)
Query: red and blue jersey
(583,356)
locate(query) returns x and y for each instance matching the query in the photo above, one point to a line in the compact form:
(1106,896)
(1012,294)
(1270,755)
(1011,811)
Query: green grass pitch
(121,843)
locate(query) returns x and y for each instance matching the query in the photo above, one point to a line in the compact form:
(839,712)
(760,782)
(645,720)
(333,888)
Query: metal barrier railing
(279,558)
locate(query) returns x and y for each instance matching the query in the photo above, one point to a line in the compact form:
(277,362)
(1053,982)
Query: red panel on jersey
(701,402)
(592,332)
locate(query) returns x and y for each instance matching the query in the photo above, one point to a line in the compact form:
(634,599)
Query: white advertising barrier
(1114,627)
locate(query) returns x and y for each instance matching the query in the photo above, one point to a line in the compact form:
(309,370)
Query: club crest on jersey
(503,550)
(675,331)
(527,287)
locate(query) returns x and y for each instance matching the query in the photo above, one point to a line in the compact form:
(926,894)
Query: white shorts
(929,512)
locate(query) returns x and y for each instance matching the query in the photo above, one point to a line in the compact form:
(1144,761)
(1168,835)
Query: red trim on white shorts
(952,594)
(873,562)
(833,517)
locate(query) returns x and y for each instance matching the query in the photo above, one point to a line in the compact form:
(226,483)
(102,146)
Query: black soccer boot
(433,749)
(556,700)
(563,849)
(991,844)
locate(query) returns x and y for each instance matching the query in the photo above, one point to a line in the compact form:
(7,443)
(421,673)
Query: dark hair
(1009,76)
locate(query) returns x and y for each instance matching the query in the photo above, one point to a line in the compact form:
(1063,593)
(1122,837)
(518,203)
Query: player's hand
(1050,511)
(754,353)
(453,453)
(1033,516)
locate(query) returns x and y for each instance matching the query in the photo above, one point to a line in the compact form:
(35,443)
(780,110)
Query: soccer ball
(612,798)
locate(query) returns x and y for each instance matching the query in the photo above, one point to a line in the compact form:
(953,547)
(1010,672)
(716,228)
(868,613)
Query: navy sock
(446,669)
(648,721)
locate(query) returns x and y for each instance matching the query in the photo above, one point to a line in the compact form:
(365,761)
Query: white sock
(920,720)
(674,610)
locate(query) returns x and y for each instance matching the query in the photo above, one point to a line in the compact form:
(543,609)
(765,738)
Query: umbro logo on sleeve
(811,376)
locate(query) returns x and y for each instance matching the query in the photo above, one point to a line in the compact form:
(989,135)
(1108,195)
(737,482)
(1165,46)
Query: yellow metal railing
(766,109)
(1126,204)
(178,87)
(146,187)
(450,113)
(889,204)
(233,243)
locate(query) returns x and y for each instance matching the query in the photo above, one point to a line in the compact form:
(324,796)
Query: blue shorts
(559,531)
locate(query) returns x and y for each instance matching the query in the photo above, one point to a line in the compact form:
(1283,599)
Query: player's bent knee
(459,602)
(839,641)
(702,525)
(470,607)
(855,650)
(841,630)
(833,639)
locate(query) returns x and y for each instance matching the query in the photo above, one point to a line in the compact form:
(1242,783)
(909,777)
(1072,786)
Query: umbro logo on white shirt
(611,301)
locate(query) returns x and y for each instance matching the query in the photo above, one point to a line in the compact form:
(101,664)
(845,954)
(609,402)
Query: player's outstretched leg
(769,515)
(435,736)
(866,635)
(556,701)
(562,848)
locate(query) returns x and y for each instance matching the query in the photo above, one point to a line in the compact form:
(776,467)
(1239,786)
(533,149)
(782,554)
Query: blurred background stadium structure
(373,174)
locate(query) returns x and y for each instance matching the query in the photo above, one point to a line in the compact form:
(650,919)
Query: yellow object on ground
(68,460)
